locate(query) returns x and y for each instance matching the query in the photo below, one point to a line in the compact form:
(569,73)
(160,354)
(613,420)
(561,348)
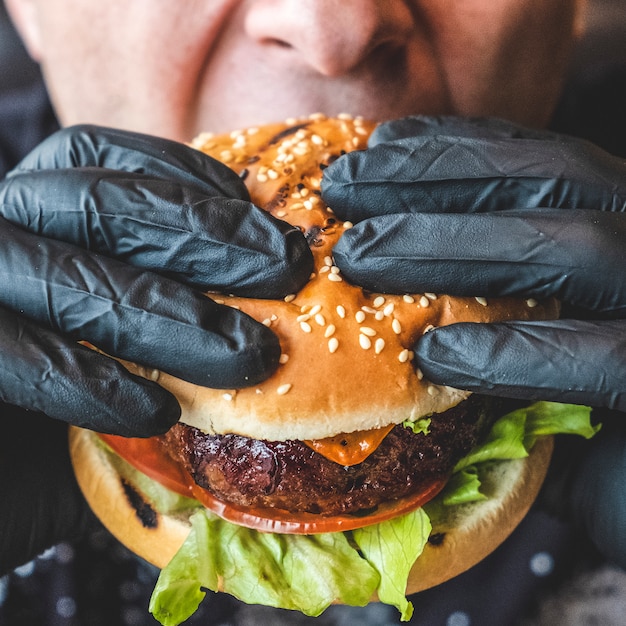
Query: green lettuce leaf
(392,547)
(463,487)
(301,572)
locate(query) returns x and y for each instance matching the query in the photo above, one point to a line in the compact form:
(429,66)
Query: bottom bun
(462,536)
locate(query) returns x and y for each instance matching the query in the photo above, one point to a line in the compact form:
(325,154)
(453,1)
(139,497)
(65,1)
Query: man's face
(175,68)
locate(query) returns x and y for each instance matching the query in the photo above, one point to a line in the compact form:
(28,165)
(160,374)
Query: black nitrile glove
(109,237)
(486,208)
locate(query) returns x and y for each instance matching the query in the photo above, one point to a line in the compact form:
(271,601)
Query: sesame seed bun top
(346,359)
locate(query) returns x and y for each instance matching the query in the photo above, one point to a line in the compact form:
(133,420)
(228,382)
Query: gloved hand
(110,237)
(486,208)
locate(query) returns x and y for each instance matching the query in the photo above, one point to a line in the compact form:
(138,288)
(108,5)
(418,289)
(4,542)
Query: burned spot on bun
(146,514)
(436,539)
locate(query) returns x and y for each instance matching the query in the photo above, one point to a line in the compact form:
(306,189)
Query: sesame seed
(296,205)
(333,344)
(261,178)
(272,174)
(424,301)
(308,205)
(419,374)
(481,301)
(432,390)
(428,328)
(366,330)
(369,309)
(334,269)
(283,389)
(396,326)
(283,358)
(365,342)
(341,311)
(330,330)
(389,309)
(228,396)
(303,318)
(360,317)
(320,320)
(281,213)
(431,296)
(290,298)
(378,302)
(324,269)
(404,356)
(531,303)
(315,309)
(408,299)
(335,278)
(306,327)
(259,391)
(317,140)
(328,260)
(379,345)
(267,322)
(347,225)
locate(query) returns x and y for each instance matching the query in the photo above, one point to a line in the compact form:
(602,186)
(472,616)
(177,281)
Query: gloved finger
(535,254)
(442,174)
(41,501)
(133,314)
(108,148)
(214,243)
(43,371)
(574,361)
(455,126)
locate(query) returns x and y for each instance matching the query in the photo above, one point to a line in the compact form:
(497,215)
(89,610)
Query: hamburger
(346,459)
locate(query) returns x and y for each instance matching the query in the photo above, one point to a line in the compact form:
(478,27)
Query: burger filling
(290,475)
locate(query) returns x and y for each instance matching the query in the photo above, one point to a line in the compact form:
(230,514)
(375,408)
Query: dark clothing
(26,117)
(98,582)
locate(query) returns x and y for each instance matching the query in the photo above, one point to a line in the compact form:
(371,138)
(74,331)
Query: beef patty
(290,475)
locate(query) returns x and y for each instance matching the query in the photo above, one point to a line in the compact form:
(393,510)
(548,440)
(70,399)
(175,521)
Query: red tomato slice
(147,456)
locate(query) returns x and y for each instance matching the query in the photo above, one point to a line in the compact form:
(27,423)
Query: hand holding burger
(484,206)
(107,239)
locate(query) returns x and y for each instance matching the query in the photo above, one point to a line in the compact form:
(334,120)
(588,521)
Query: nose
(334,37)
